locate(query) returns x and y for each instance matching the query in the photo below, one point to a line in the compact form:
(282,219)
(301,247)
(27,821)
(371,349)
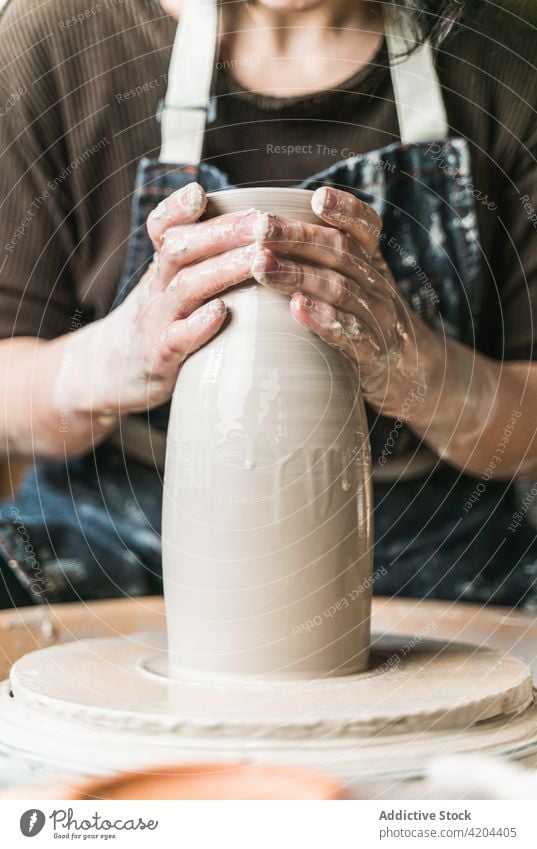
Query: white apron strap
(418,94)
(190,76)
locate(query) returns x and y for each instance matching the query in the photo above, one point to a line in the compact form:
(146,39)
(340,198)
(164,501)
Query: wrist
(406,390)
(460,396)
(429,373)
(56,427)
(84,385)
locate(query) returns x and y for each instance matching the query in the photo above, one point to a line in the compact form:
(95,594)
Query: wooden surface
(31,628)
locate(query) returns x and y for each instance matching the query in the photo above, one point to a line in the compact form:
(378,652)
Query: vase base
(102,705)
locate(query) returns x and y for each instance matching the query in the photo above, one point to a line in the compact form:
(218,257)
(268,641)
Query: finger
(350,335)
(185,337)
(320,245)
(199,283)
(288,276)
(348,213)
(182,207)
(183,246)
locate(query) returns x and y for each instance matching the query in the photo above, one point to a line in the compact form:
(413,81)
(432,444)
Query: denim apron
(90,527)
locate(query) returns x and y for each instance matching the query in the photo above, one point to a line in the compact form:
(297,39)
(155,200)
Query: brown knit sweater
(79,90)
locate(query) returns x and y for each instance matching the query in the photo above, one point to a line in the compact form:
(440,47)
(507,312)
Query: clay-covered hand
(341,289)
(134,354)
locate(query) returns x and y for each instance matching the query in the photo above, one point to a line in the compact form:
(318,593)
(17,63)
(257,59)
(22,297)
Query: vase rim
(282,201)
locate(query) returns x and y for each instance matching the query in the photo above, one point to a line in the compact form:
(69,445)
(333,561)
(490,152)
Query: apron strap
(417,90)
(190,77)
(418,94)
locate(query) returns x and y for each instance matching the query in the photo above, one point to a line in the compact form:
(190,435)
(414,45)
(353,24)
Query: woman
(306,92)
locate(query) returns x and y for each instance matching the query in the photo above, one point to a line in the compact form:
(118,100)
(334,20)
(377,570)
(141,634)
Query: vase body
(267,519)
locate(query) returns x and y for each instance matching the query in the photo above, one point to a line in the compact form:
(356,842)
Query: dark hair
(430,19)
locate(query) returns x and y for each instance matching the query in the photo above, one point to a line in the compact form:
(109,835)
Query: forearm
(477,413)
(43,417)
(65,396)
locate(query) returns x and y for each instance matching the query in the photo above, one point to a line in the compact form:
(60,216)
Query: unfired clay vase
(267,538)
(214,781)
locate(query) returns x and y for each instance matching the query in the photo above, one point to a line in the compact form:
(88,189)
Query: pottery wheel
(111,704)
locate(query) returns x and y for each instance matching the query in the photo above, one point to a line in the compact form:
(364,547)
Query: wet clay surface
(267,495)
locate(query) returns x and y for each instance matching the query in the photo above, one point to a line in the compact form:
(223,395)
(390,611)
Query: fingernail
(106,418)
(244,225)
(160,211)
(324,200)
(259,267)
(259,261)
(336,328)
(207,314)
(192,198)
(175,247)
(264,227)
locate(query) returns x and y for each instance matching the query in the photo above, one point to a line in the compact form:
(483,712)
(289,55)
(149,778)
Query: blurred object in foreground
(480,777)
(214,781)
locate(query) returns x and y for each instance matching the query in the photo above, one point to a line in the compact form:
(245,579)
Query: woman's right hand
(135,352)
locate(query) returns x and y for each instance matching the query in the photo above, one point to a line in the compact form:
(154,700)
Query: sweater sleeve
(37,234)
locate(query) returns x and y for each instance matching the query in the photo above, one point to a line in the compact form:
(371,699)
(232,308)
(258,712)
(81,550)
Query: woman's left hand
(342,289)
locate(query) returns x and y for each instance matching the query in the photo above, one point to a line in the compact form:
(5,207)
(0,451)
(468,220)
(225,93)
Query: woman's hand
(342,289)
(461,403)
(135,353)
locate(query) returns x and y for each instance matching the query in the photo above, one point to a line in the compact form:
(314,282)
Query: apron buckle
(210,110)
